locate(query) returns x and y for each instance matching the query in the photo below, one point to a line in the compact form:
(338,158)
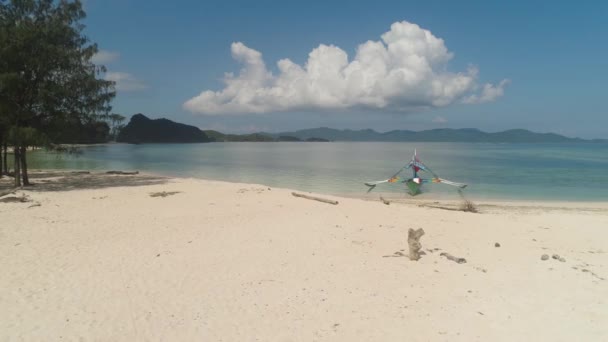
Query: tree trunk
(1,162)
(22,154)
(16,166)
(5,160)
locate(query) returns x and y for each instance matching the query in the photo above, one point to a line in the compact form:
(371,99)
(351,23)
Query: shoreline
(141,257)
(395,197)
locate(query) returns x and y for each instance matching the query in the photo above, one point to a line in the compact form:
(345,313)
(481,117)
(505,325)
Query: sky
(249,66)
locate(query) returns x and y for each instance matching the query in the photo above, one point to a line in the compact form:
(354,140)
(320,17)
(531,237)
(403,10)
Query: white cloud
(440,120)
(104,57)
(489,93)
(125,81)
(403,72)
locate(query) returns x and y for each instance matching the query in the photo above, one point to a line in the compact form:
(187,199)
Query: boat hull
(413,187)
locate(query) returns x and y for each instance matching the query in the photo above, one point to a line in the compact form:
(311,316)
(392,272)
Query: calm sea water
(569,172)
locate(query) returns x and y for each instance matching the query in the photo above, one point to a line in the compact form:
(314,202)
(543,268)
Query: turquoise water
(569,172)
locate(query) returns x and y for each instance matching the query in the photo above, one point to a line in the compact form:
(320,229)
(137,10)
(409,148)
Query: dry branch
(413,240)
(467,206)
(122,173)
(164,193)
(15,199)
(315,198)
(8,192)
(453,258)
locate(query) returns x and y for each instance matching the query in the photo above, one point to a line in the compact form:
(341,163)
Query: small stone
(555,256)
(497,245)
(544,257)
(562,259)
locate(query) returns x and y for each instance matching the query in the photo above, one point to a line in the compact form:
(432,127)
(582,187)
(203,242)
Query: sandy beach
(97,258)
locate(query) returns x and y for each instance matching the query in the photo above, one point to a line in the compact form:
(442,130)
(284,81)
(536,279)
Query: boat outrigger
(415,183)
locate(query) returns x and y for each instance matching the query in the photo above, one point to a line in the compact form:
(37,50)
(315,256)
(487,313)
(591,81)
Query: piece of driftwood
(397,254)
(413,240)
(80,172)
(163,193)
(384,200)
(315,198)
(8,192)
(15,199)
(453,258)
(122,172)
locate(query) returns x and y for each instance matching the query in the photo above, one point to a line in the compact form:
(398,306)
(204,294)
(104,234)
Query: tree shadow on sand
(43,181)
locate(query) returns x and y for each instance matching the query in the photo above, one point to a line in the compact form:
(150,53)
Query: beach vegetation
(468,206)
(48,81)
(116,125)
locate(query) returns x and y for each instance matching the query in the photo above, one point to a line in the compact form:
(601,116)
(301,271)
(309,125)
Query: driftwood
(394,255)
(384,200)
(8,192)
(15,199)
(453,258)
(80,172)
(164,193)
(413,240)
(122,173)
(315,198)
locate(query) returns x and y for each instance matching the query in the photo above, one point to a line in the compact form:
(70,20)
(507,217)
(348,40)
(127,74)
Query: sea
(560,172)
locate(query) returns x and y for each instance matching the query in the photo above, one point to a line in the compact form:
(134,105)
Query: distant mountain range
(432,135)
(141,129)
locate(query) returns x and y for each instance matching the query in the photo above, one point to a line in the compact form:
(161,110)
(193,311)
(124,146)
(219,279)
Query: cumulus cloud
(104,57)
(489,93)
(440,120)
(405,71)
(125,81)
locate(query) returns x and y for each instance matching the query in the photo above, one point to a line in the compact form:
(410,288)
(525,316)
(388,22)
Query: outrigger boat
(415,183)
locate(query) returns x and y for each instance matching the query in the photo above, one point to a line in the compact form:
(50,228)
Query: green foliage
(46,73)
(253,137)
(287,138)
(25,136)
(47,78)
(77,132)
(316,140)
(116,125)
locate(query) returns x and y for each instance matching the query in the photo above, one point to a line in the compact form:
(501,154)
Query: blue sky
(552,57)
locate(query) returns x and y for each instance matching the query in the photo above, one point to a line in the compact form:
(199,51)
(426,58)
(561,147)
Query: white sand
(237,262)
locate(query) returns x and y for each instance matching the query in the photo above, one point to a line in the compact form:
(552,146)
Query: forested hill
(433,135)
(142,129)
